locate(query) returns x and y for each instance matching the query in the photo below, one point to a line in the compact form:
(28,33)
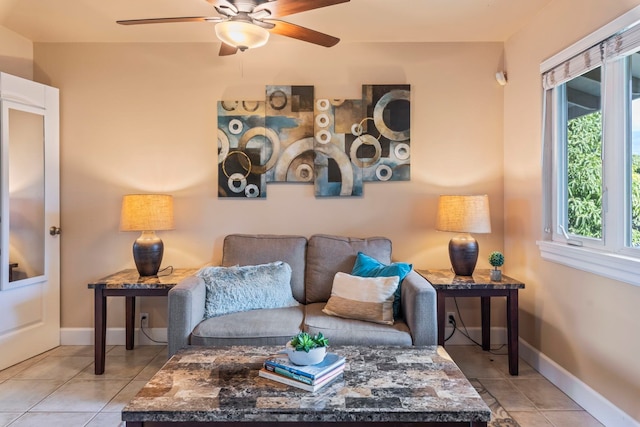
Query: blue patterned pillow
(366,266)
(252,287)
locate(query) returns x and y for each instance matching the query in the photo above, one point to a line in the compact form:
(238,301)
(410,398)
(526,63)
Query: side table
(128,284)
(447,284)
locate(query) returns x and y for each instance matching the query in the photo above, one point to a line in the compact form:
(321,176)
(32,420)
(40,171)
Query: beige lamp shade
(147,212)
(464,214)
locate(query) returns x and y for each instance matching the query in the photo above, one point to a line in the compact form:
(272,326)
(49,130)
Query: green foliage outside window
(584,179)
(584,175)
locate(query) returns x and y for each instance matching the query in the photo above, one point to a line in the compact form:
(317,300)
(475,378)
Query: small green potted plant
(496,259)
(305,349)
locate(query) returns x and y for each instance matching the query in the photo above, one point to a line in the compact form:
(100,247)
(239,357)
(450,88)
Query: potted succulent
(496,259)
(305,349)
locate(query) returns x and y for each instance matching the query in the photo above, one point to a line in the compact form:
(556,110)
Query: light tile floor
(530,399)
(58,388)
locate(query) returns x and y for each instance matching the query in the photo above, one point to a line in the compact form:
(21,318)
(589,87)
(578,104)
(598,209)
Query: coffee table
(391,386)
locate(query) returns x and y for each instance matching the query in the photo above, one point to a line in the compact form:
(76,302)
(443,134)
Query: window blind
(574,67)
(623,43)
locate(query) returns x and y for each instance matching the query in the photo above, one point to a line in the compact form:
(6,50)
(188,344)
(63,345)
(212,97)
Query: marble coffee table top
(384,384)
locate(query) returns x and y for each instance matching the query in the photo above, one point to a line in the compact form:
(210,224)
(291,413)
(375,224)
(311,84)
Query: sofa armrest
(418,302)
(186,310)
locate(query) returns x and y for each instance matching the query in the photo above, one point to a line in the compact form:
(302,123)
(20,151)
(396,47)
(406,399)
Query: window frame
(561,181)
(609,256)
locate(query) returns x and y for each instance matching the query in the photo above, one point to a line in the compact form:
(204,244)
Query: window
(582,137)
(591,154)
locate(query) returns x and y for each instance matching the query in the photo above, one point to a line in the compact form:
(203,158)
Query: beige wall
(142,117)
(16,54)
(586,323)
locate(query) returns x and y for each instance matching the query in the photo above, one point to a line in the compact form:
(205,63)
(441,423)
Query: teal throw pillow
(366,266)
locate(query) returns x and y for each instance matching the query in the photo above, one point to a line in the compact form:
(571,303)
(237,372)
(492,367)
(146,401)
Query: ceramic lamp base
(147,253)
(463,253)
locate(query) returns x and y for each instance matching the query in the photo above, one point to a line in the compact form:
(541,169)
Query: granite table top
(379,384)
(447,279)
(130,279)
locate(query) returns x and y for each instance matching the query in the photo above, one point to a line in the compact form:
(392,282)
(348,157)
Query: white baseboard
(593,402)
(115,336)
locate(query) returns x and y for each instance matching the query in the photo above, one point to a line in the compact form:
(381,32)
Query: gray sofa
(314,263)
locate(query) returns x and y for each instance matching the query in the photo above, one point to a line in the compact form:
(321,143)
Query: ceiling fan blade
(280,8)
(167,20)
(226,50)
(302,33)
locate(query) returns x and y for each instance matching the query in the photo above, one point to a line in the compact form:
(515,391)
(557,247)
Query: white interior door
(29,208)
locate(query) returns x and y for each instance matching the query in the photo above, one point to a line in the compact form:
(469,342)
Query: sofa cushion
(327,255)
(362,298)
(252,249)
(341,331)
(273,326)
(250,287)
(367,266)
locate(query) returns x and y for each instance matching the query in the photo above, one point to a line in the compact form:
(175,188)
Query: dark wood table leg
(440,313)
(485,313)
(512,330)
(100,329)
(130,320)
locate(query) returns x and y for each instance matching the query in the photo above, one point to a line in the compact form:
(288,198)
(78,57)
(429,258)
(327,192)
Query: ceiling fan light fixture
(240,34)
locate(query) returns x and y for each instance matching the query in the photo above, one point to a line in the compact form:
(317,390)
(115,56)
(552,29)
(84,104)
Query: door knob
(54,230)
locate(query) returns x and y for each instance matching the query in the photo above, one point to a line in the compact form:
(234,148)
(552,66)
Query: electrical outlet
(451,315)
(144,320)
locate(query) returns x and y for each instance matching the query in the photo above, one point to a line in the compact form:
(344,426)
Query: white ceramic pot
(314,356)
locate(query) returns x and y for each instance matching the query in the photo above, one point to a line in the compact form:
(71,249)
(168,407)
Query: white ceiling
(356,21)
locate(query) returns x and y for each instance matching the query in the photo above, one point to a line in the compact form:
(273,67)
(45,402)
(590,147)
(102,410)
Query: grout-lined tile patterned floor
(58,388)
(529,398)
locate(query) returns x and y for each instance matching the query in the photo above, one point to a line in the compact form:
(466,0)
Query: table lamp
(147,213)
(464,215)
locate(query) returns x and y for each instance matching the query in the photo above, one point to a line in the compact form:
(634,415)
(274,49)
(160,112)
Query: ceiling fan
(245,24)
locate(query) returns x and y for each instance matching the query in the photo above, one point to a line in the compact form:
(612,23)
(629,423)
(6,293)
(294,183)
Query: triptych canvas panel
(336,144)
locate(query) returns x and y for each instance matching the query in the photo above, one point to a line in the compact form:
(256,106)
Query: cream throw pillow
(362,298)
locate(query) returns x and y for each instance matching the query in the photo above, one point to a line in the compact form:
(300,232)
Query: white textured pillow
(362,298)
(251,287)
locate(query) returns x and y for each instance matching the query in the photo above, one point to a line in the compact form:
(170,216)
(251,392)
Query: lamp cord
(466,333)
(170,268)
(147,335)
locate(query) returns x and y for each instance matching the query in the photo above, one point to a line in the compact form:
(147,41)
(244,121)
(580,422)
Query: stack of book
(310,378)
